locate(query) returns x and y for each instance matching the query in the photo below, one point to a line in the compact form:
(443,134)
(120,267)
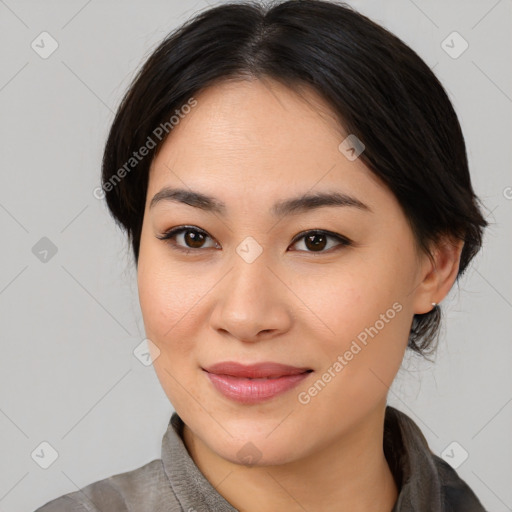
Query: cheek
(351,297)
(363,316)
(169,301)
(361,359)
(170,313)
(167,292)
(166,302)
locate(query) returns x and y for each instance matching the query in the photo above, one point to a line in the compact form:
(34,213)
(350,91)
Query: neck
(348,474)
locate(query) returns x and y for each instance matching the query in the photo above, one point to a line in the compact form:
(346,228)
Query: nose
(253,301)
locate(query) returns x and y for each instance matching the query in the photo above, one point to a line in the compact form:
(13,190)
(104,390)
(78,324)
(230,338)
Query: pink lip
(248,385)
(254,371)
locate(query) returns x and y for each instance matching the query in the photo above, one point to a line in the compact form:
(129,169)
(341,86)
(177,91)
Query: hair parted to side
(378,87)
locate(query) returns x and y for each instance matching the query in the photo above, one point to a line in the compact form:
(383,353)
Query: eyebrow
(294,205)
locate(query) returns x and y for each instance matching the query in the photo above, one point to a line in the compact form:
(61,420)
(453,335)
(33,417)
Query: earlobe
(441,274)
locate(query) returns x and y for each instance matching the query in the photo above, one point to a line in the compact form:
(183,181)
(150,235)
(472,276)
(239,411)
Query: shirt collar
(415,468)
(192,489)
(412,464)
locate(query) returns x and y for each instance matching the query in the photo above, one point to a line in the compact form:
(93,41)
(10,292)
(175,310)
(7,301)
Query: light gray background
(69,325)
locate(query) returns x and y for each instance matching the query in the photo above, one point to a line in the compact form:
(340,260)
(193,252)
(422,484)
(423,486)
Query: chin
(257,450)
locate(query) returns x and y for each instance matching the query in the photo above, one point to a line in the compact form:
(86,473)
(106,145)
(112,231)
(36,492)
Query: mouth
(264,370)
(254,383)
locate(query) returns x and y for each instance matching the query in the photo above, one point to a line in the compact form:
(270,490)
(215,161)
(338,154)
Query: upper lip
(254,371)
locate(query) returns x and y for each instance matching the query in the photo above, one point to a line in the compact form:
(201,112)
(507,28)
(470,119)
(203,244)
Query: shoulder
(456,494)
(65,503)
(141,489)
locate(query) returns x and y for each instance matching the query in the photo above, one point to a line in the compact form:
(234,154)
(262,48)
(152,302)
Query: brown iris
(315,241)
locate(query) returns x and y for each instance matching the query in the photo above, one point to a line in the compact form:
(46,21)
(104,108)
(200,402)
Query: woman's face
(250,291)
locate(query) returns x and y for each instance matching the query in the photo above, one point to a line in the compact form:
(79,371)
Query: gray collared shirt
(175,484)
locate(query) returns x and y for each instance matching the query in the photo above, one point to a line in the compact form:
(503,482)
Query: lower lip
(253,391)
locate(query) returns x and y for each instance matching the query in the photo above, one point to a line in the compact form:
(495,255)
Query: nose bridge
(251,299)
(250,276)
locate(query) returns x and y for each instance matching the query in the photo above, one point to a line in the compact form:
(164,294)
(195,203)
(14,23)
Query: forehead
(258,135)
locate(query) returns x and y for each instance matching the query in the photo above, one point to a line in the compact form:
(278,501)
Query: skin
(250,144)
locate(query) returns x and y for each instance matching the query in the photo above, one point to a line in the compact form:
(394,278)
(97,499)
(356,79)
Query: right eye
(191,237)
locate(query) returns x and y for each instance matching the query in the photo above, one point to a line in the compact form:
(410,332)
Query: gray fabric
(175,484)
(426,482)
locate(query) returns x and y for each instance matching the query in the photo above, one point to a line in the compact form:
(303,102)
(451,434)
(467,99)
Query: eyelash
(169,236)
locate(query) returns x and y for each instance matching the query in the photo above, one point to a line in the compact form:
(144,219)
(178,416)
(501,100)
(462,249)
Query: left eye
(317,240)
(193,239)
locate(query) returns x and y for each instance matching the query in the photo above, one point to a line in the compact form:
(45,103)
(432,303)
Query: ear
(437,276)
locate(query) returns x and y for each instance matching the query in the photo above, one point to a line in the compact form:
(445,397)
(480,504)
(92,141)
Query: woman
(294,184)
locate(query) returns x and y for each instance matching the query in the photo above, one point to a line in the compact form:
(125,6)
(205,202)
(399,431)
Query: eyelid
(317,231)
(171,233)
(178,230)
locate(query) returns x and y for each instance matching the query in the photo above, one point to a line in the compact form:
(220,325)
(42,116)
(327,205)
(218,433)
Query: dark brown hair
(379,88)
